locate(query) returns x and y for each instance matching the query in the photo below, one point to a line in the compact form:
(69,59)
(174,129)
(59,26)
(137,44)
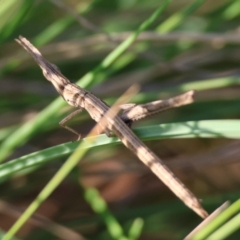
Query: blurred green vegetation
(111,195)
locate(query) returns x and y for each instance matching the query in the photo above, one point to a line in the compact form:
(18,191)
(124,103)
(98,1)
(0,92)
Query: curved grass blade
(193,129)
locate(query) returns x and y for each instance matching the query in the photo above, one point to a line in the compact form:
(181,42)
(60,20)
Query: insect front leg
(67,118)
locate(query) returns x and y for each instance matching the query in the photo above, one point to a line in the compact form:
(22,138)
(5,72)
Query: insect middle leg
(69,117)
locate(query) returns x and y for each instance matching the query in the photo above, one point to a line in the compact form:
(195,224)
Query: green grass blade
(129,57)
(21,135)
(6,7)
(232,10)
(5,132)
(218,221)
(177,18)
(136,229)
(58,27)
(206,84)
(87,79)
(193,129)
(49,188)
(48,34)
(99,206)
(227,229)
(22,8)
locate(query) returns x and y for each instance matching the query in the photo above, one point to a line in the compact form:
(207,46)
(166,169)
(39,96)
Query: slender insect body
(78,97)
